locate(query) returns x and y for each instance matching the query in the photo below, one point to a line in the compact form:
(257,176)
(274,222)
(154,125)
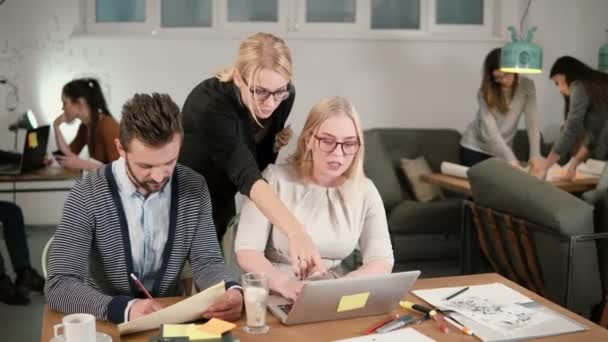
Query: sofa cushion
(437,217)
(379,168)
(498,185)
(411,247)
(413,169)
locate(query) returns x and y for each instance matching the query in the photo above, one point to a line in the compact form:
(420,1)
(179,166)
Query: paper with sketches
(407,334)
(495,312)
(187,310)
(505,317)
(495,305)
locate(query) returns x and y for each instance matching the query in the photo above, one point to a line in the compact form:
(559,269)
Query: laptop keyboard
(285,307)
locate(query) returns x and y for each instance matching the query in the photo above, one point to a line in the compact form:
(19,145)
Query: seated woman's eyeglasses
(329,145)
(261,94)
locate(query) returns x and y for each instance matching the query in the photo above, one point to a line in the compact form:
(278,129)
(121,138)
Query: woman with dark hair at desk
(16,242)
(83,99)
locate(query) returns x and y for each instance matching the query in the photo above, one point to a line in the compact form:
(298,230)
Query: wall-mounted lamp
(14,91)
(25,121)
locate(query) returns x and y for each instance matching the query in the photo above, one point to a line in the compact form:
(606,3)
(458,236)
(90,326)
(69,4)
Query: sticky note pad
(352,302)
(32,140)
(216,326)
(189,330)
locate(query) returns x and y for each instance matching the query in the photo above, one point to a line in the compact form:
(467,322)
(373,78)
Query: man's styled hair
(153,119)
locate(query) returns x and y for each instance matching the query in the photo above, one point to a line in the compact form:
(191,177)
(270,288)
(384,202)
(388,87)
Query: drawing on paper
(501,316)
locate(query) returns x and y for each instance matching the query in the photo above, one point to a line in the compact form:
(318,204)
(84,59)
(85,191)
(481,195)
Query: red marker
(373,328)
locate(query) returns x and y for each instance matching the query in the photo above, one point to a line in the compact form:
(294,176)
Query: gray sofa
(425,236)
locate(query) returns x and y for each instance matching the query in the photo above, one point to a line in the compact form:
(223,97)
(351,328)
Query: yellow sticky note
(189,330)
(352,302)
(216,326)
(32,140)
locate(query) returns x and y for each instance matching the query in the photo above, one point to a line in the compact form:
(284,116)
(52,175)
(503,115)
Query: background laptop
(32,158)
(321,300)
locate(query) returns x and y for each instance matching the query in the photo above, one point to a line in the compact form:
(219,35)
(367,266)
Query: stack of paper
(187,310)
(592,167)
(407,334)
(584,171)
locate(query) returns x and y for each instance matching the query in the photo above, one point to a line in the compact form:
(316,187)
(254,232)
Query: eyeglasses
(329,145)
(261,94)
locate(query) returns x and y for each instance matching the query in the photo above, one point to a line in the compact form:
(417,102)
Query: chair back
(44,262)
(536,234)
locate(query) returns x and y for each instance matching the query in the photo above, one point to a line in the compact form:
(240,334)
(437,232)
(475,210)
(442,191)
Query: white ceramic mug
(77,328)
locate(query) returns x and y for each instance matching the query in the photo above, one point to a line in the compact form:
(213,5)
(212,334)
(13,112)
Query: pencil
(458,326)
(456,293)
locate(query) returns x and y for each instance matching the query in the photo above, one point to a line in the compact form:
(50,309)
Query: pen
(458,326)
(456,293)
(141,286)
(378,325)
(398,323)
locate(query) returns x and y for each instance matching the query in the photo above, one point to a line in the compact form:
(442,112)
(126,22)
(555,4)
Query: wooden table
(49,173)
(46,174)
(328,331)
(462,185)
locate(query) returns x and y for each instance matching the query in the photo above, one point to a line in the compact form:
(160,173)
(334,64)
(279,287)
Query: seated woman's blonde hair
(323,110)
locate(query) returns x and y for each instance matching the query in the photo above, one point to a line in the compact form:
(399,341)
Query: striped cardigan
(90,259)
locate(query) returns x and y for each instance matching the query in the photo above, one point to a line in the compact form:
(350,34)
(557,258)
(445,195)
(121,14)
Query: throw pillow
(413,168)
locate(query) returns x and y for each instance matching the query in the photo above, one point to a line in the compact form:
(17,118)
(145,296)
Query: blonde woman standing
(324,186)
(234,125)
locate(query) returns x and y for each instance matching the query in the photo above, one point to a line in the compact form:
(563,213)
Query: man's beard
(145,185)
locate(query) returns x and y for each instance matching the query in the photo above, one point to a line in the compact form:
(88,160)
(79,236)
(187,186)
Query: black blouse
(219,138)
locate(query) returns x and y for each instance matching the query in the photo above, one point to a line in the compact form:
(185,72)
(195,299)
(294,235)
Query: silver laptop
(326,300)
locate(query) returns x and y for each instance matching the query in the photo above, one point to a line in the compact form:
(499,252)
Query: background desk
(462,185)
(47,174)
(328,331)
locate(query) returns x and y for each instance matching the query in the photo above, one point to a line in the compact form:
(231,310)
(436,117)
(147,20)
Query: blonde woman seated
(324,186)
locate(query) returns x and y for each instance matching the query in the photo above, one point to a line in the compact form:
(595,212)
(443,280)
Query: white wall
(392,83)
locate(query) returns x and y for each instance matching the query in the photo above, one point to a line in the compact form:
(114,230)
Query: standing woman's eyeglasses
(329,145)
(261,94)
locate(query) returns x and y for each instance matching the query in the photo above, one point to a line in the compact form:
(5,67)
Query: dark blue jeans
(14,236)
(470,157)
